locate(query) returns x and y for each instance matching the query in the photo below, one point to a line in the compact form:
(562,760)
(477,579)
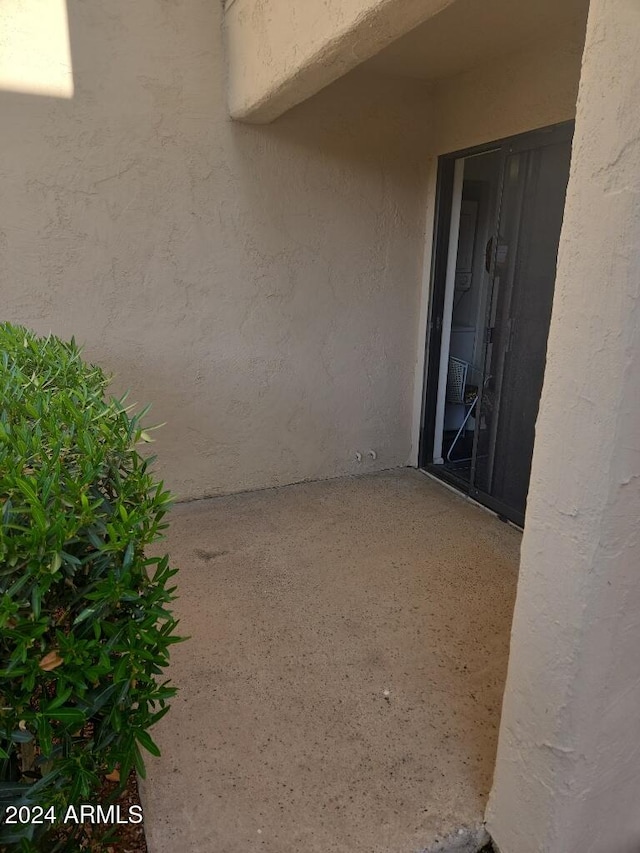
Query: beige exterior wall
(257,285)
(265,288)
(567,772)
(534,87)
(281,54)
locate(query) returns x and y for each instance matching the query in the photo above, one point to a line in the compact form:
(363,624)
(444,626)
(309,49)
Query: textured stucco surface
(280,54)
(533,87)
(303,605)
(35,55)
(568,769)
(264,287)
(466,34)
(258,285)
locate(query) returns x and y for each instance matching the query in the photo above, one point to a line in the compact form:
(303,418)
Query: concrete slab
(341,689)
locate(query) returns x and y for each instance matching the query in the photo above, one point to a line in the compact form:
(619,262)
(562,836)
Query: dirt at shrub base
(123,838)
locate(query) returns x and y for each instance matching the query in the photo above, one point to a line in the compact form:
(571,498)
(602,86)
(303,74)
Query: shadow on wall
(259,284)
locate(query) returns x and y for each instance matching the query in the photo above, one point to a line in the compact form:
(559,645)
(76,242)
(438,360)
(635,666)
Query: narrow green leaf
(84,614)
(67,715)
(145,740)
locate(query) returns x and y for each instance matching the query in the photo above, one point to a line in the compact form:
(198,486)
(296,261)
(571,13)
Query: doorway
(499,215)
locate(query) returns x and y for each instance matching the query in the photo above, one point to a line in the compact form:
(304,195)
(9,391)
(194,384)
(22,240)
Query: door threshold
(459,490)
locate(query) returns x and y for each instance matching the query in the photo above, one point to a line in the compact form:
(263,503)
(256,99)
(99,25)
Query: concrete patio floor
(341,688)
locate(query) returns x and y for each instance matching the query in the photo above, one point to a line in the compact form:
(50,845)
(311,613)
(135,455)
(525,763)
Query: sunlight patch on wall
(35,53)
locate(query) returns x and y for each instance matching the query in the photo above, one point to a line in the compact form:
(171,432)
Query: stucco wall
(533,87)
(281,54)
(258,285)
(567,775)
(264,287)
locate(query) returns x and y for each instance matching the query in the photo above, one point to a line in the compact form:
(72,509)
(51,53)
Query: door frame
(437,291)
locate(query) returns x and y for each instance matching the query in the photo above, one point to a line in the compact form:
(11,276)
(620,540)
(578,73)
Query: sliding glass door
(500,292)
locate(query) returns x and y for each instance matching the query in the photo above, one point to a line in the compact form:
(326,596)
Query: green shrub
(84,625)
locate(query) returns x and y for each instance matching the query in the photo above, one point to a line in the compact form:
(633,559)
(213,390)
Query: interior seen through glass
(468,321)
